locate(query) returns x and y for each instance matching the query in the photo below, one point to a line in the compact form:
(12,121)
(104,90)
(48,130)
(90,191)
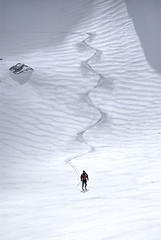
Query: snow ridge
(80,137)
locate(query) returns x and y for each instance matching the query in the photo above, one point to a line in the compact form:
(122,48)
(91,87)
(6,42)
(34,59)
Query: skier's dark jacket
(84,177)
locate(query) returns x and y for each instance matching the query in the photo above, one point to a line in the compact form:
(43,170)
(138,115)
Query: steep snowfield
(146,19)
(92,103)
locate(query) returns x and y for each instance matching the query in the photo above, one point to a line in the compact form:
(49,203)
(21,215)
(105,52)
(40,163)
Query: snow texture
(92,102)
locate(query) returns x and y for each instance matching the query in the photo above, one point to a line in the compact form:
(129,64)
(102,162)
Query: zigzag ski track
(80,137)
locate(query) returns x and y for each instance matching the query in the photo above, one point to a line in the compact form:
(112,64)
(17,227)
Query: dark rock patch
(20,68)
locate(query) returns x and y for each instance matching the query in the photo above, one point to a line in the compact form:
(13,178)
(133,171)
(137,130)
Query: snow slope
(146,18)
(92,103)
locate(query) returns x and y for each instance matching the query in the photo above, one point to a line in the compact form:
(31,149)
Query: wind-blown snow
(92,103)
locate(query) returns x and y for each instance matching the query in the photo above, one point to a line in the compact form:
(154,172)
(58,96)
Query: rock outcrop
(21,73)
(20,68)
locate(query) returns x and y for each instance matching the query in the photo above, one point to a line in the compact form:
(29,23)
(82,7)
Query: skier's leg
(83,185)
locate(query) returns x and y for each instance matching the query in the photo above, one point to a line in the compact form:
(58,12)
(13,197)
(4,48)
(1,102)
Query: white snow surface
(93,103)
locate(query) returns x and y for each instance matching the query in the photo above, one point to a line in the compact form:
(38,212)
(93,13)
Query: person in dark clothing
(84,178)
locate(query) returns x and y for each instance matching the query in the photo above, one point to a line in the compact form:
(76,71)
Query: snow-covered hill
(92,102)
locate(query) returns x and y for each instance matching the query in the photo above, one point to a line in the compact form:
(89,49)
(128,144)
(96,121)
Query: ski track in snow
(80,135)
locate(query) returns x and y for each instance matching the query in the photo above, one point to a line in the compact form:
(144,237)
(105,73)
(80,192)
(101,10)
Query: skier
(84,178)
